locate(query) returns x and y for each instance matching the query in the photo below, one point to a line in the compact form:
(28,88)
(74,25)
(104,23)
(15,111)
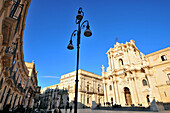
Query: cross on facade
(116,39)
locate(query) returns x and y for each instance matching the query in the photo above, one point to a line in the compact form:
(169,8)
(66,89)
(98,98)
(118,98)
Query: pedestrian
(59,110)
(70,109)
(66,109)
(104,103)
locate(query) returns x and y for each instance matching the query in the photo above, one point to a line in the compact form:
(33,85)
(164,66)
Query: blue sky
(49,25)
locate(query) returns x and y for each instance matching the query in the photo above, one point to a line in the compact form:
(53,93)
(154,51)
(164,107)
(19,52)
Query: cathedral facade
(135,79)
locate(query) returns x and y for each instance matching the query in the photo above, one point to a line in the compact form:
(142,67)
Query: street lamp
(87,33)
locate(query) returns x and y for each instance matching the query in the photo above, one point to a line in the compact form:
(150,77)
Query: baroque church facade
(135,79)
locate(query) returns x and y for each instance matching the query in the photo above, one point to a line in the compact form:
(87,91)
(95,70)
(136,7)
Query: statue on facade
(103,68)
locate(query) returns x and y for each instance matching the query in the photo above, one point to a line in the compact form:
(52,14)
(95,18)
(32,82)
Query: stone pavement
(110,111)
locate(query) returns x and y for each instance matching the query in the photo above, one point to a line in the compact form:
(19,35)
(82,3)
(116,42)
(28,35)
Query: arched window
(144,82)
(121,62)
(110,87)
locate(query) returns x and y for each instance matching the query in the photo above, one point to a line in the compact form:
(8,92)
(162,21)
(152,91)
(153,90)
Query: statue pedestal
(94,105)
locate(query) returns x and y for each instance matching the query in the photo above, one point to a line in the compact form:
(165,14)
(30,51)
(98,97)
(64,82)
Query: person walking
(70,109)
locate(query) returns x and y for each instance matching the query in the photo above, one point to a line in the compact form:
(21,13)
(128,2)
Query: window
(168,75)
(110,87)
(144,82)
(87,87)
(121,62)
(1,82)
(87,100)
(163,57)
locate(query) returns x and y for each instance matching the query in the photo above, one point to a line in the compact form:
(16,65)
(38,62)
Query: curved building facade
(14,73)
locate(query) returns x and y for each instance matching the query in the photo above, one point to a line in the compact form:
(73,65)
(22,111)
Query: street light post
(87,33)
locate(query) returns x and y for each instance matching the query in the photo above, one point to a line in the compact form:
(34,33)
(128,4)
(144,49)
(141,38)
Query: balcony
(7,58)
(8,30)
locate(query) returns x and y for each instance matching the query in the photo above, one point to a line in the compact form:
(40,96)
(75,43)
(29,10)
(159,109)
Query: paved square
(108,111)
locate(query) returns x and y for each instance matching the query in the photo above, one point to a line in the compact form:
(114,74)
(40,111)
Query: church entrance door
(127,96)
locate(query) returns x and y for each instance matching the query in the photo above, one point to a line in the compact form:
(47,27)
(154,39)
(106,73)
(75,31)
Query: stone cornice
(81,72)
(160,64)
(157,52)
(21,35)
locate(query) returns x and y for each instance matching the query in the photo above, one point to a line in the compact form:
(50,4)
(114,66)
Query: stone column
(105,91)
(109,59)
(114,96)
(131,89)
(137,90)
(112,62)
(117,92)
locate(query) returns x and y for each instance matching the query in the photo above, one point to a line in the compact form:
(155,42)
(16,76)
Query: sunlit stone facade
(15,76)
(159,63)
(135,79)
(90,87)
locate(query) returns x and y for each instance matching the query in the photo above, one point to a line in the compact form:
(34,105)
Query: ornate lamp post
(87,33)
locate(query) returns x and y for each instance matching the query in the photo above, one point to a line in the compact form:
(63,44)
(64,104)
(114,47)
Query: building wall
(14,74)
(161,69)
(89,87)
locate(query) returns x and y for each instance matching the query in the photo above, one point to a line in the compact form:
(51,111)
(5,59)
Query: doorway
(127,96)
(148,100)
